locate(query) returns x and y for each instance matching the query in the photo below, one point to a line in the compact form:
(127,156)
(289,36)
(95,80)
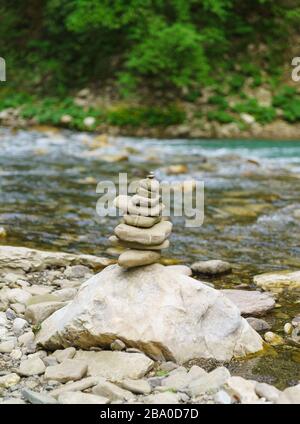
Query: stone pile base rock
(166,315)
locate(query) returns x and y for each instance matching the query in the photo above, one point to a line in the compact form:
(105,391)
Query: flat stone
(42,398)
(32,366)
(133,258)
(148,236)
(115,366)
(173,317)
(241,389)
(181,269)
(78,398)
(15,295)
(39,312)
(209,383)
(165,398)
(138,200)
(68,370)
(23,259)
(291,395)
(140,387)
(124,203)
(273,281)
(82,384)
(267,391)
(77,271)
(64,295)
(42,298)
(213,267)
(181,379)
(8,346)
(131,245)
(62,355)
(251,302)
(9,380)
(141,221)
(111,391)
(38,290)
(18,308)
(13,401)
(258,324)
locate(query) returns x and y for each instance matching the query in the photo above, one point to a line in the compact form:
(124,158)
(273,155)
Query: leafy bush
(220,116)
(262,114)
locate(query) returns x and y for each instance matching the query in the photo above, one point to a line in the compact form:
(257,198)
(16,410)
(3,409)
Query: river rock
(125,204)
(180,379)
(132,258)
(9,380)
(79,385)
(23,259)
(79,398)
(37,313)
(130,245)
(7,346)
(273,339)
(250,302)
(139,387)
(291,395)
(148,236)
(165,398)
(278,280)
(68,370)
(172,317)
(258,324)
(209,382)
(267,391)
(32,366)
(138,200)
(62,355)
(111,391)
(115,365)
(141,221)
(181,269)
(38,398)
(151,185)
(213,267)
(241,389)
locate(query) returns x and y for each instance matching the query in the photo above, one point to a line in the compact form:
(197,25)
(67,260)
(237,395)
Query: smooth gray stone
(133,258)
(141,221)
(143,201)
(38,398)
(148,236)
(115,241)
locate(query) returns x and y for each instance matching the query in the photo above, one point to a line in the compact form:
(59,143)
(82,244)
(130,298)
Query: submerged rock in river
(168,316)
(275,281)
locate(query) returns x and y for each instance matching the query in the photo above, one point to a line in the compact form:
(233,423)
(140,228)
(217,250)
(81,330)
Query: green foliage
(288,100)
(219,101)
(147,116)
(55,45)
(220,116)
(262,114)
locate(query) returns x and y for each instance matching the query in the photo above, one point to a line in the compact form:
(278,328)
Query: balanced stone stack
(143,231)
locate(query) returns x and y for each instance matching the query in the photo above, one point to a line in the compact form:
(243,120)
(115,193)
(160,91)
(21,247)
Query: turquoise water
(252,189)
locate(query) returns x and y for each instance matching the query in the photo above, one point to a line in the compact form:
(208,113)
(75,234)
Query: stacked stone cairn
(143,231)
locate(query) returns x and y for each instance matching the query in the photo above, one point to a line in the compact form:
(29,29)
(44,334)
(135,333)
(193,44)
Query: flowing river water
(48,198)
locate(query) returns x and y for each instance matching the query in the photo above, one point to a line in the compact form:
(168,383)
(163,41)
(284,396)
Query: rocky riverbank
(256,113)
(34,284)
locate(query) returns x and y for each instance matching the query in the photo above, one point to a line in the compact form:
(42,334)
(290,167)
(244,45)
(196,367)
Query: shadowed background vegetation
(156,51)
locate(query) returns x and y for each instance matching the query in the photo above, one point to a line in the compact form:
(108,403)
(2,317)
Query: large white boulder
(166,315)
